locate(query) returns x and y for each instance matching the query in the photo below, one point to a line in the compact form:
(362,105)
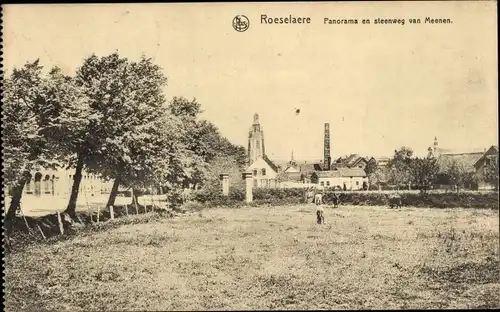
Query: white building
(350,179)
(58,183)
(264,172)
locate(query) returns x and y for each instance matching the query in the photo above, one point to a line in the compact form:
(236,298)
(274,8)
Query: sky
(379,86)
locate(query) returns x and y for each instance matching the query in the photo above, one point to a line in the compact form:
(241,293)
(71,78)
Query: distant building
(437,151)
(353,161)
(305,167)
(263,170)
(488,157)
(346,172)
(269,173)
(294,180)
(58,183)
(382,161)
(472,160)
(351,179)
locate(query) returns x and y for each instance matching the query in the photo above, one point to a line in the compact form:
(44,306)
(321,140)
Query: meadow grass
(268,258)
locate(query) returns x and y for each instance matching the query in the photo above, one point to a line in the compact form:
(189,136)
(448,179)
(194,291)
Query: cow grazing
(395,201)
(318,199)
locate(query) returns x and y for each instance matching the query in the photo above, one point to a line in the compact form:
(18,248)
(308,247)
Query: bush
(207,195)
(266,194)
(294,196)
(192,206)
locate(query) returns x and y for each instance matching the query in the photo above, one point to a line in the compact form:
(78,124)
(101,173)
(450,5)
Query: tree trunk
(77,179)
(114,192)
(17,193)
(135,201)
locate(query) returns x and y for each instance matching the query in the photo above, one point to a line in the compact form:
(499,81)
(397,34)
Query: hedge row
(291,196)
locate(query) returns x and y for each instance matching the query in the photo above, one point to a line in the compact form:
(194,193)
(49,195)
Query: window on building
(263,172)
(28,185)
(265,183)
(53,183)
(322,183)
(255,172)
(46,184)
(38,183)
(357,182)
(327,183)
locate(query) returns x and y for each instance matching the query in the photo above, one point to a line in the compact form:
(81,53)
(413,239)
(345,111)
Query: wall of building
(288,184)
(58,183)
(483,186)
(263,174)
(354,183)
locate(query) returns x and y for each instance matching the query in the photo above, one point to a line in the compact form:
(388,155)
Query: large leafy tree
(218,154)
(223,164)
(379,176)
(400,166)
(127,103)
(490,173)
(188,113)
(40,115)
(160,158)
(208,147)
(370,169)
(459,174)
(22,146)
(424,172)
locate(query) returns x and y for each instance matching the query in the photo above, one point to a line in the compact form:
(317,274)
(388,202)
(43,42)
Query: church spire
(436,148)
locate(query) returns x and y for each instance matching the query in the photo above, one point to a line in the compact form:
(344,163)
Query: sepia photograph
(250,156)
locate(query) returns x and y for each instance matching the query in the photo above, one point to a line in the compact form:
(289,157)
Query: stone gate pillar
(247,176)
(225,183)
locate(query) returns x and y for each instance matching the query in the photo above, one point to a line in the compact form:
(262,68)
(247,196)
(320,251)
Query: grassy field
(268,258)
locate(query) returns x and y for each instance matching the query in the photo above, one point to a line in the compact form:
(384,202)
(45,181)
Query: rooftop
(465,159)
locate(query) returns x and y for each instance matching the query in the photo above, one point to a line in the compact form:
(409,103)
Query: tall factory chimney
(327,160)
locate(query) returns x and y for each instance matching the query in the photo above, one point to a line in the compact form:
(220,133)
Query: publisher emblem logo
(241,23)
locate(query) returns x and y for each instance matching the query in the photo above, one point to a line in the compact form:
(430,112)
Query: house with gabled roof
(488,158)
(471,160)
(353,161)
(264,172)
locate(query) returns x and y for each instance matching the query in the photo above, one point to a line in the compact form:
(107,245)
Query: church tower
(256,147)
(292,161)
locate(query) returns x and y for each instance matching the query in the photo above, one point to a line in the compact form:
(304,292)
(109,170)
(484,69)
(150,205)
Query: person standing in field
(318,199)
(336,200)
